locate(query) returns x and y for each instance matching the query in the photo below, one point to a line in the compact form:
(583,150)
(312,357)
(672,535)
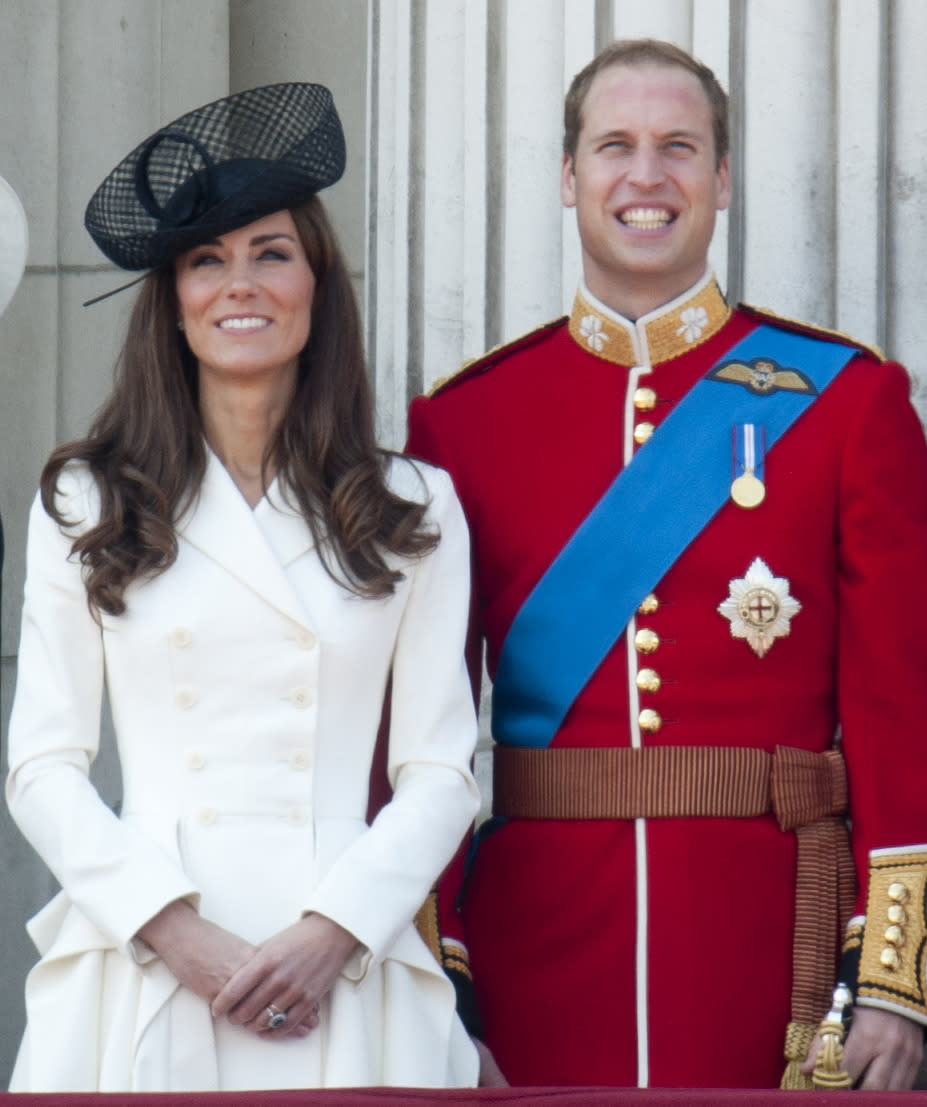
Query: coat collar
(254,546)
(671,330)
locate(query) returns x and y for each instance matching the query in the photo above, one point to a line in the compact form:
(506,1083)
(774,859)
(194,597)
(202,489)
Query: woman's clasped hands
(253,986)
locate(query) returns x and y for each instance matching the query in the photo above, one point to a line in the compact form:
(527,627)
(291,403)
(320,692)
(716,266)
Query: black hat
(215,169)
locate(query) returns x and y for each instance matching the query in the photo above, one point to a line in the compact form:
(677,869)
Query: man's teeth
(645,219)
(241,324)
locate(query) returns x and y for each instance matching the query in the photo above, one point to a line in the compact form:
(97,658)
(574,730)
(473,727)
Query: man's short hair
(645,51)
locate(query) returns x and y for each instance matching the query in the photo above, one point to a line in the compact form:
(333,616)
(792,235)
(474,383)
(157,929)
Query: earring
(180,325)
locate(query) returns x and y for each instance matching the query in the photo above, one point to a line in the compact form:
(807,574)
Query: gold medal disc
(748,490)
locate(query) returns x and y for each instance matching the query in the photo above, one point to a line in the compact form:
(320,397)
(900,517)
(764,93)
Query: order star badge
(759,607)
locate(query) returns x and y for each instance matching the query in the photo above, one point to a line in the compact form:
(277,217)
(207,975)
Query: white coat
(246,689)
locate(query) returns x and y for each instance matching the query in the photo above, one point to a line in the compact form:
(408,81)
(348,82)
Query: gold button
(206,816)
(650,720)
(181,637)
(648,680)
(649,605)
(645,399)
(889,959)
(646,641)
(301,697)
(894,935)
(897,914)
(305,639)
(898,892)
(185,696)
(642,433)
(194,759)
(299,759)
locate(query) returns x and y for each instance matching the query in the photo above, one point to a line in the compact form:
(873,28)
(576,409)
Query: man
(698,540)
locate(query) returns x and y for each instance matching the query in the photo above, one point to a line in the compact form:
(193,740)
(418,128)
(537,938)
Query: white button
(301,696)
(299,759)
(185,696)
(305,639)
(181,637)
(206,816)
(194,759)
(296,816)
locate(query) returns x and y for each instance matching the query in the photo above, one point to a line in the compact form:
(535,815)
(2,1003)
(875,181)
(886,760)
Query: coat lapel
(254,546)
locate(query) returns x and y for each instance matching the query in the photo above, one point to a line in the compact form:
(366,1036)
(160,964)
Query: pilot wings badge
(763,377)
(759,607)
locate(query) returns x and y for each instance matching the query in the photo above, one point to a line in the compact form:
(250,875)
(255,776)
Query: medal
(747,487)
(748,490)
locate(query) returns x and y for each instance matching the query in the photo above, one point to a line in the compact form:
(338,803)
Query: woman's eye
(203,259)
(273,254)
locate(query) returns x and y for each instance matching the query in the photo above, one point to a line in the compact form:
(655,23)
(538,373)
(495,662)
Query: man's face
(645,185)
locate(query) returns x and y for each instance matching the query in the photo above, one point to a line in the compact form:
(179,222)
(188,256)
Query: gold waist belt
(670,781)
(807,792)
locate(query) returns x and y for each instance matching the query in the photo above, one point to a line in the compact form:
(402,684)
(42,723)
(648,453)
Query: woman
(232,551)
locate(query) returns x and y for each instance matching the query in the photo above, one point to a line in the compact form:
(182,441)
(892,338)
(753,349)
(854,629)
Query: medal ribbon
(584,601)
(749,449)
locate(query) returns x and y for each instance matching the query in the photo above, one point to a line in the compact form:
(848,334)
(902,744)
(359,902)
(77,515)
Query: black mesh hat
(215,169)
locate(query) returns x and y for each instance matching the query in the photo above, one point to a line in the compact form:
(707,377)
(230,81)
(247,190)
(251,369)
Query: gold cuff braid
(892,957)
(449,954)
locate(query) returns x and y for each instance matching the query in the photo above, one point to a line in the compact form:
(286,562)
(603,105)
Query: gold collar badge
(759,607)
(763,377)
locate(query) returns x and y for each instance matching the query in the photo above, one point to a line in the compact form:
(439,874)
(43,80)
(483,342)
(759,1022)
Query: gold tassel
(828,1065)
(798,1039)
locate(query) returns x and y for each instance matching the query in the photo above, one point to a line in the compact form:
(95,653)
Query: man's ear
(724,183)
(567,182)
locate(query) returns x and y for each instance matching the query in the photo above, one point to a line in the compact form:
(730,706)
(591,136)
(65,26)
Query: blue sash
(677,482)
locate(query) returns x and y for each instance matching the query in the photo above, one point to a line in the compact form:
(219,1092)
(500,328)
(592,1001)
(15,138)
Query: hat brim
(219,167)
(14,243)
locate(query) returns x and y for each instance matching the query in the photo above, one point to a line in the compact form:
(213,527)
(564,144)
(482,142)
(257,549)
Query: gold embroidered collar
(671,330)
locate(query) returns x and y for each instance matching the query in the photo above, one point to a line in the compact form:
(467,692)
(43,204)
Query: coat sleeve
(444,925)
(882,681)
(115,877)
(379,883)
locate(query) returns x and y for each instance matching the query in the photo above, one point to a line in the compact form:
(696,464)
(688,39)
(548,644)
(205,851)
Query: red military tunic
(659,951)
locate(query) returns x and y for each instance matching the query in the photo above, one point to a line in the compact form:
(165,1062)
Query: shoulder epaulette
(486,361)
(801,327)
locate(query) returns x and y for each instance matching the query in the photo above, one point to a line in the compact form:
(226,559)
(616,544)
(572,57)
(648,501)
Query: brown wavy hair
(146,452)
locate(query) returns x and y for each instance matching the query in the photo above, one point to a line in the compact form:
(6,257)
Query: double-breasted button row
(298,759)
(301,696)
(182,637)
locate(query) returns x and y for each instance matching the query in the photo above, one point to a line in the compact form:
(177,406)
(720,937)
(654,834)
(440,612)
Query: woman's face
(245,300)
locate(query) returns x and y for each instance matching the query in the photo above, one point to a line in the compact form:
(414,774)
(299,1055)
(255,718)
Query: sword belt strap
(807,793)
